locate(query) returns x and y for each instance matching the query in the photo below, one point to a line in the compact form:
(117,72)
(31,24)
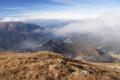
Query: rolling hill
(51,66)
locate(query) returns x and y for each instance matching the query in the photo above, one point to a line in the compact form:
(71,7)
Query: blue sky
(57,8)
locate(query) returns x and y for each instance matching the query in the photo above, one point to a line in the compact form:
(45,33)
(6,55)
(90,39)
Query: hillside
(21,35)
(51,66)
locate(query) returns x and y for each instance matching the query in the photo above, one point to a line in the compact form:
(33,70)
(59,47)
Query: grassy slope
(51,66)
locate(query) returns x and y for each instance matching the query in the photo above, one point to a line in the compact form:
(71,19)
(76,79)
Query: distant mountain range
(29,36)
(23,36)
(13,35)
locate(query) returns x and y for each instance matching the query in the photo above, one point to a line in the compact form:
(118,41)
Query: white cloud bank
(68,15)
(101,31)
(13,19)
(109,23)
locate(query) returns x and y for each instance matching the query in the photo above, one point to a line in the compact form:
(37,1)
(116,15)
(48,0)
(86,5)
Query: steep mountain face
(23,36)
(58,47)
(77,51)
(12,34)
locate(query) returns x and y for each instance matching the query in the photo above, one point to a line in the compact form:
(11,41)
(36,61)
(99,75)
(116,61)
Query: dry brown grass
(51,66)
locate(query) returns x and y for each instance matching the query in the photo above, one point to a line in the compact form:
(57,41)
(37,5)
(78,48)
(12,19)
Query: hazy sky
(63,9)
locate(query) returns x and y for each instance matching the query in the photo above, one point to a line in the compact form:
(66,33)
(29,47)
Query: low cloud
(104,28)
(109,23)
